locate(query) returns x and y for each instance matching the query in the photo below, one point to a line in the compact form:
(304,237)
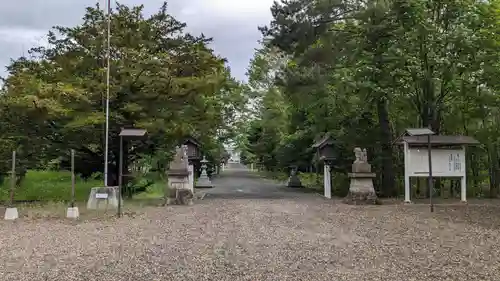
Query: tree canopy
(365,71)
(162,79)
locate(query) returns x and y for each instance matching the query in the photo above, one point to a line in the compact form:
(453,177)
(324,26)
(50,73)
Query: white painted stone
(191,177)
(11,214)
(72,213)
(96,200)
(327,181)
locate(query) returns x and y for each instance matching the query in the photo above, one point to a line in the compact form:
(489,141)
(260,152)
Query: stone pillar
(327,180)
(191,176)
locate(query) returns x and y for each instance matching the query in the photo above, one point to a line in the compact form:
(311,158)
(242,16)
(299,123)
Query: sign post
(427,155)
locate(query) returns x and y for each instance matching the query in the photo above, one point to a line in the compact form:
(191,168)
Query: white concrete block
(72,213)
(103,198)
(11,214)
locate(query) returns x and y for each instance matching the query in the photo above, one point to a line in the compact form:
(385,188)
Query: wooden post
(120,174)
(407,173)
(463,182)
(430,182)
(12,179)
(72,178)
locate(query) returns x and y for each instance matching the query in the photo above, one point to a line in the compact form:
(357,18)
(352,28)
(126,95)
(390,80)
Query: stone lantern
(294,180)
(204,180)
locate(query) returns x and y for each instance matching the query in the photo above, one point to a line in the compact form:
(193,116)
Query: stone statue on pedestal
(178,190)
(361,190)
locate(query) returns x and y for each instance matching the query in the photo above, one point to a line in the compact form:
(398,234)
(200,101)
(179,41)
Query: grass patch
(49,186)
(154,191)
(313,181)
(55,186)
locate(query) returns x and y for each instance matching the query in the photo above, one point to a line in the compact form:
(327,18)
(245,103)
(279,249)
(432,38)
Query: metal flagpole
(108,6)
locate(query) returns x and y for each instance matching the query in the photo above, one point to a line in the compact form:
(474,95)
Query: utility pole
(106,148)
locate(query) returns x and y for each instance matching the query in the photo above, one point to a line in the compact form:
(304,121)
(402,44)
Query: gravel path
(302,238)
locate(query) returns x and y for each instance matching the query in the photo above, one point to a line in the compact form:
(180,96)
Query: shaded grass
(313,181)
(154,191)
(49,186)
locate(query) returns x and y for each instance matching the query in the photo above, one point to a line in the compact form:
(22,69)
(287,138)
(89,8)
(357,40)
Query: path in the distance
(238,182)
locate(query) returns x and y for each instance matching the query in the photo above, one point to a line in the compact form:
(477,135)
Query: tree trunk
(388,183)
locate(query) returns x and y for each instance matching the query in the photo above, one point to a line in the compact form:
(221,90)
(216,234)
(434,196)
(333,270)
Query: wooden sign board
(445,162)
(101,196)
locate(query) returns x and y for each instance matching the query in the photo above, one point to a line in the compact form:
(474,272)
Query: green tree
(366,71)
(162,79)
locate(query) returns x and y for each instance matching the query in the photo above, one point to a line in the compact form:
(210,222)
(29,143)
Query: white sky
(232,23)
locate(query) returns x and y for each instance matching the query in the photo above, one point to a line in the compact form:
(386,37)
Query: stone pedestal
(103,198)
(361,190)
(11,214)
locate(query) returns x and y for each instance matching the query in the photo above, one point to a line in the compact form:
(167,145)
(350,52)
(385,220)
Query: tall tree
(162,79)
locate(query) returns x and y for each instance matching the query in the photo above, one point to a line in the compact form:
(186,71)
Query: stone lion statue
(361,155)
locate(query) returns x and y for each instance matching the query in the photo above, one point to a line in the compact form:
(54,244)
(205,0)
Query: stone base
(72,213)
(204,182)
(103,203)
(11,214)
(361,198)
(294,182)
(180,197)
(361,191)
(361,168)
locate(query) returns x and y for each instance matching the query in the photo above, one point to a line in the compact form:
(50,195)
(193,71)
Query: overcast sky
(232,23)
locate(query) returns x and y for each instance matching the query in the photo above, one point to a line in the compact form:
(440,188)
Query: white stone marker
(327,179)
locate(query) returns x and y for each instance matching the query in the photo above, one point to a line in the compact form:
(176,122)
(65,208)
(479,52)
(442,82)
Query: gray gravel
(222,239)
(299,237)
